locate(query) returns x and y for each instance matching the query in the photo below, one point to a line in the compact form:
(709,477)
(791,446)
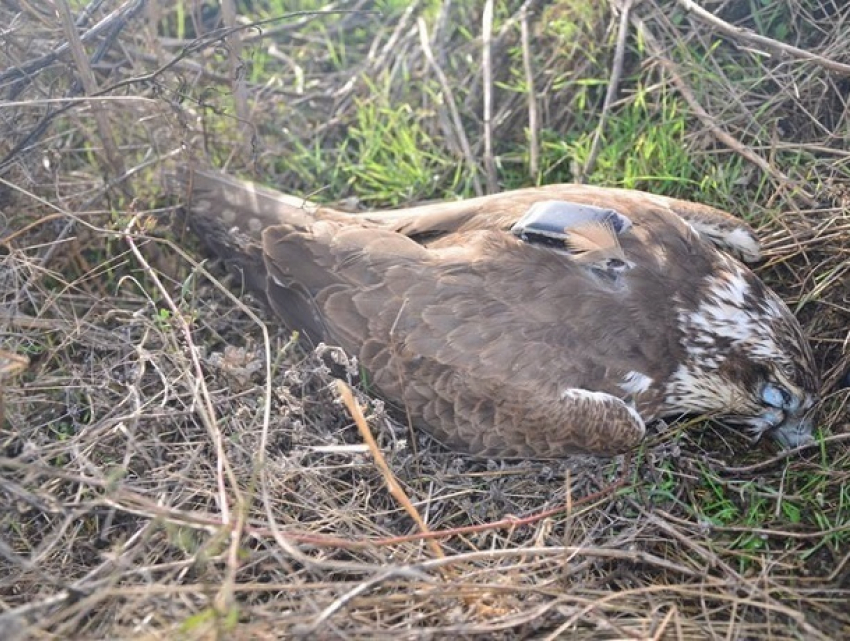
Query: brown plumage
(553,339)
(597,244)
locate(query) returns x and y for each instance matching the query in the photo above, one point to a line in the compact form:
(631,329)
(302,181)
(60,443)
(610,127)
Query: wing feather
(594,237)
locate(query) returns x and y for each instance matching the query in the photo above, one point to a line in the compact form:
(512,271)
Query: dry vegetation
(173,467)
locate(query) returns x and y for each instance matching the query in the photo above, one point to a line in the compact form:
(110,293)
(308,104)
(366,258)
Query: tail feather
(229,215)
(240,204)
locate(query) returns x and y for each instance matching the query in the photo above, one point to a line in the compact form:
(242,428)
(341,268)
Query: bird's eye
(776,396)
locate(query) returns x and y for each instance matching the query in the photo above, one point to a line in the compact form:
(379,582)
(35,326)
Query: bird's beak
(794,431)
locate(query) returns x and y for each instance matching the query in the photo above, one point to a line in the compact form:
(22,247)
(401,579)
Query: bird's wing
(229,216)
(252,207)
(496,417)
(240,204)
(314,271)
(501,211)
(721,228)
(466,339)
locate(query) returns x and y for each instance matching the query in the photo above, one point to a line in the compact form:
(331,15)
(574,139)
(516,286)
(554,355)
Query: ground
(176,465)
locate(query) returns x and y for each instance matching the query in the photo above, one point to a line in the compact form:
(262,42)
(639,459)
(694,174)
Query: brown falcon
(532,323)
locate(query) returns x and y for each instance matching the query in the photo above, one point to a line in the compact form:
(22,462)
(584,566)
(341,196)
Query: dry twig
(487,83)
(613,86)
(745,35)
(389,478)
(450,100)
(115,163)
(533,135)
(705,118)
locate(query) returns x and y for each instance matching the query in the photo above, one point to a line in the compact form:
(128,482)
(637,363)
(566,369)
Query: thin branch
(739,33)
(613,86)
(204,407)
(452,104)
(533,134)
(343,600)
(134,503)
(487,78)
(124,12)
(389,478)
(782,456)
(708,121)
(115,162)
(237,70)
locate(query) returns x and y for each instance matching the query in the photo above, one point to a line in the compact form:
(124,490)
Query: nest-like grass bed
(176,465)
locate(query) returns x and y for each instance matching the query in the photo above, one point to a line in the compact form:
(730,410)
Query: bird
(535,323)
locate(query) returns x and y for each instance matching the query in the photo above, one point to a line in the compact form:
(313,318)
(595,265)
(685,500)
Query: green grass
(392,159)
(209,622)
(807,500)
(388,153)
(386,158)
(645,146)
(390,149)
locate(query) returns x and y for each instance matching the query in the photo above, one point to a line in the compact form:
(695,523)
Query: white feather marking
(743,242)
(636,383)
(634,413)
(575,393)
(738,239)
(726,312)
(694,390)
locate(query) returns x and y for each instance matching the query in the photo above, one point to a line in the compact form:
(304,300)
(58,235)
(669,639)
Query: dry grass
(173,465)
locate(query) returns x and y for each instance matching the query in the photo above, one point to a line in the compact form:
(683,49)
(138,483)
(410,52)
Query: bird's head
(747,361)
